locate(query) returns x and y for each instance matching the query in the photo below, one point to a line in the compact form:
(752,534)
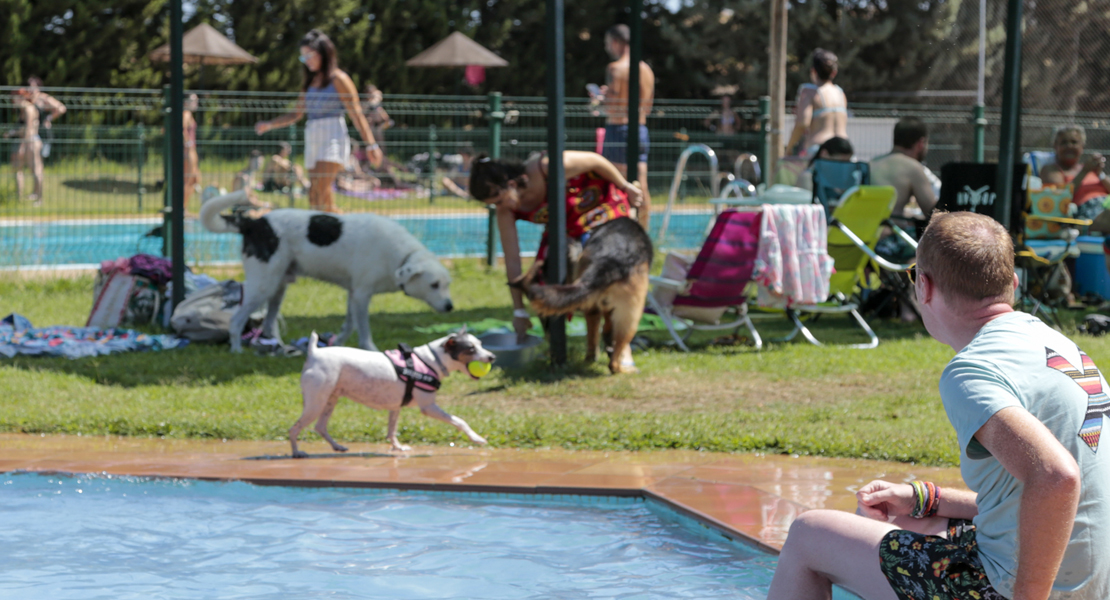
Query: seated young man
(1027,406)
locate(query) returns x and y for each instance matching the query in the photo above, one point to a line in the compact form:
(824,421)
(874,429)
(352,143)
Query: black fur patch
(323,230)
(259,239)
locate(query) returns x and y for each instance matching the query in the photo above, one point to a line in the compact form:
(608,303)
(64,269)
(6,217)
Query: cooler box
(1091,276)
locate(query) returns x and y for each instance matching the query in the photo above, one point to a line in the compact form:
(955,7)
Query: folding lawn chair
(854,229)
(714,283)
(833,178)
(1049,238)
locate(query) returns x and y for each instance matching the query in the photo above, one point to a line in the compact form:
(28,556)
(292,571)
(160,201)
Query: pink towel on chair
(793,265)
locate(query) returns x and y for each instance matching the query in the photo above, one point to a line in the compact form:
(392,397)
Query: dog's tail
(312,339)
(549,300)
(210,212)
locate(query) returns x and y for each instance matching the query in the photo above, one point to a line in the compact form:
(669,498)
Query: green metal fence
(103,181)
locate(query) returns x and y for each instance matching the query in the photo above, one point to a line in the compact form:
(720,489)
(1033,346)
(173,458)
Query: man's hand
(880,500)
(261,127)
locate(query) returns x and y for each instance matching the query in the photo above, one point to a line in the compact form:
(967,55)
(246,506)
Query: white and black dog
(363,253)
(379,380)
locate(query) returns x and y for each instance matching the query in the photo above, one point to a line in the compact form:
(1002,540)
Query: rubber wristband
(520,313)
(373,146)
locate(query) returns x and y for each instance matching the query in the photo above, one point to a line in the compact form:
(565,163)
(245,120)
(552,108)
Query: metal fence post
(432,137)
(167,174)
(980,120)
(556,263)
(142,159)
(764,138)
(495,118)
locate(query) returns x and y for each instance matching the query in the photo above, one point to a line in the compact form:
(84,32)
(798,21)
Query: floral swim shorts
(927,567)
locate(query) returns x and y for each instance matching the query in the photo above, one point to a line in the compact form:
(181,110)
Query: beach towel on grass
(17,336)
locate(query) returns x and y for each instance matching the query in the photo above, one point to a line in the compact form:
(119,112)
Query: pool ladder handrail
(680,168)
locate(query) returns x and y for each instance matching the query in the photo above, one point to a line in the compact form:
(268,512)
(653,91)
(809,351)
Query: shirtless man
(903,168)
(822,108)
(615,92)
(29,152)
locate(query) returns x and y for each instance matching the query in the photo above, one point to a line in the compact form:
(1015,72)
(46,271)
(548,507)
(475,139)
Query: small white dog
(375,380)
(362,253)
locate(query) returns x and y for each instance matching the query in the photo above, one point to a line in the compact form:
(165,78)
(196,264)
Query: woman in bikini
(326,95)
(596,193)
(821,111)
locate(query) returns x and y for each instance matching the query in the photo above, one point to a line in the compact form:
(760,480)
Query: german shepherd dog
(611,281)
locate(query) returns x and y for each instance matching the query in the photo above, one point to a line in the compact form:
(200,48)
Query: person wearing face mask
(327,92)
(903,168)
(596,193)
(1087,179)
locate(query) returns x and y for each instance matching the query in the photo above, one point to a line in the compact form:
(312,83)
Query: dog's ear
(405,274)
(461,332)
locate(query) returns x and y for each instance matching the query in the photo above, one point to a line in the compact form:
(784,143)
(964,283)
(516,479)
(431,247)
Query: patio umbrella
(456,50)
(204,45)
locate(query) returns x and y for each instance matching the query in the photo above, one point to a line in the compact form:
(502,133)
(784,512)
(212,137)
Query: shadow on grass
(213,364)
(106,185)
(209,364)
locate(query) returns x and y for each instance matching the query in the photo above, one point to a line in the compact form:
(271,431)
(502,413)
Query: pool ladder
(735,186)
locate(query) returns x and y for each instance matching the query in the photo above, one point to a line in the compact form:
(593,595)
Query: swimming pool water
(88,242)
(99,537)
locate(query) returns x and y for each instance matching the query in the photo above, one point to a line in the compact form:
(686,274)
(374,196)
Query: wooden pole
(777,86)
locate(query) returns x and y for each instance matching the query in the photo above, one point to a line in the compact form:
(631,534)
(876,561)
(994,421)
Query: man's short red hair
(968,256)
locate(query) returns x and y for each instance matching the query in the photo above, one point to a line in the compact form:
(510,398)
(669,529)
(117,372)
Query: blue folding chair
(833,178)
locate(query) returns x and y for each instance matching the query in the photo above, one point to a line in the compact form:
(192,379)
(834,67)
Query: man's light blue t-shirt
(1017,361)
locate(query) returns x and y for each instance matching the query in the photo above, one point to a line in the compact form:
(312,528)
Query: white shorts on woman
(326,140)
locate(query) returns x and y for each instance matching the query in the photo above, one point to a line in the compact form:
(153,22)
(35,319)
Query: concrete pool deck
(750,497)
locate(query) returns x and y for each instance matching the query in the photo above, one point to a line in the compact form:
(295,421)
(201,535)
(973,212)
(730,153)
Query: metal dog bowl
(510,354)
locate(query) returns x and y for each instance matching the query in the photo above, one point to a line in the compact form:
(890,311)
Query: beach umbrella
(456,50)
(203,45)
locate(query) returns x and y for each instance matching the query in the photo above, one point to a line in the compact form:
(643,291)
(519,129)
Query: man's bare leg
(826,547)
(37,171)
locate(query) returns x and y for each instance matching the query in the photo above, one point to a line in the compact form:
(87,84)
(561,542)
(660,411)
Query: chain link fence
(103,177)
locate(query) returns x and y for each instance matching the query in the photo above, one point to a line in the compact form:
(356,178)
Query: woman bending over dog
(326,94)
(596,193)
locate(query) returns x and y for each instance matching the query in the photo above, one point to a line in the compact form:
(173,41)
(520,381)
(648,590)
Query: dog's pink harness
(415,374)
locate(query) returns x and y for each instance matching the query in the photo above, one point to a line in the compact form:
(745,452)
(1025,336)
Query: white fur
(374,255)
(369,378)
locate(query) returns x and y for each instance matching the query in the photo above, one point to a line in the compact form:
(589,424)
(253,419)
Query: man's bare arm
(922,190)
(1050,496)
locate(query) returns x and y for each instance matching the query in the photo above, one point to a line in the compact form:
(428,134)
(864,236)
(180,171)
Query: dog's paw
(477,439)
(300,454)
(339,448)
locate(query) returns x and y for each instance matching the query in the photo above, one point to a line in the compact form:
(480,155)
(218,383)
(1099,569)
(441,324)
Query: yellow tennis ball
(478,368)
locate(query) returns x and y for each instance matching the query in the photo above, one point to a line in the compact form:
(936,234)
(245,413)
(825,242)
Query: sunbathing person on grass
(1027,406)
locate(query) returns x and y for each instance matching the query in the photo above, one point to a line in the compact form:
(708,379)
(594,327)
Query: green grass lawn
(789,398)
